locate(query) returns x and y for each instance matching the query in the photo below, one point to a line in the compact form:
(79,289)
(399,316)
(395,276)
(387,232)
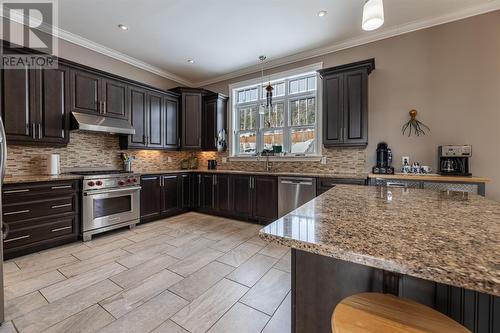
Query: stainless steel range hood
(94,123)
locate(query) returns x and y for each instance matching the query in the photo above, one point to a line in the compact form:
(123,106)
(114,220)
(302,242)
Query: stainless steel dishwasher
(294,192)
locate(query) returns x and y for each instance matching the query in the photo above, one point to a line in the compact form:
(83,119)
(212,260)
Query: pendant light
(262,108)
(373,15)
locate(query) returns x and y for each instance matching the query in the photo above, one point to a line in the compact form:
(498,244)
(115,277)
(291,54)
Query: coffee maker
(454,160)
(384,160)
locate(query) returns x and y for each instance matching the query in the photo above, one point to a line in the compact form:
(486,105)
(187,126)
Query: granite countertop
(264,173)
(38,178)
(432,177)
(447,237)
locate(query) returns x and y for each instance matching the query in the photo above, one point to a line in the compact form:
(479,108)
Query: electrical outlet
(169,159)
(224,160)
(323,160)
(405,159)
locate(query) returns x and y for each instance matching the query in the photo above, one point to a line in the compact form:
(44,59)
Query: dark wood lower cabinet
(40,216)
(265,198)
(170,198)
(223,194)
(151,203)
(242,198)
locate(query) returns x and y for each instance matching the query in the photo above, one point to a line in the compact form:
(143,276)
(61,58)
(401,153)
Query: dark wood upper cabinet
(191,121)
(53,105)
(86,90)
(172,138)
(214,123)
(114,96)
(156,121)
(265,198)
(345,104)
(137,99)
(18,104)
(34,105)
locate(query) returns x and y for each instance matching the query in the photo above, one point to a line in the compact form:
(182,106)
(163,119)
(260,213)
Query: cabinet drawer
(40,208)
(48,230)
(13,193)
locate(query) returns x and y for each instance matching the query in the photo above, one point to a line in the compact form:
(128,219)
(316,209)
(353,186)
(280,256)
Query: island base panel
(319,283)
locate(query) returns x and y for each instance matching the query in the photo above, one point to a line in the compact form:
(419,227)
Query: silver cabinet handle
(150,178)
(178,142)
(62,206)
(16,191)
(60,229)
(39,131)
(104,107)
(33,130)
(61,187)
(17,238)
(17,212)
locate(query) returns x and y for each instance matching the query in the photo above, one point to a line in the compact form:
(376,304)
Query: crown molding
(96,47)
(357,41)
(343,45)
(86,43)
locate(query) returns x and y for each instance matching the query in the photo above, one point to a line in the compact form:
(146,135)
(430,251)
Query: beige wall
(449,73)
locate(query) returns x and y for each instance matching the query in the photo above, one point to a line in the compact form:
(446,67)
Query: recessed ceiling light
(322,13)
(191,61)
(123,27)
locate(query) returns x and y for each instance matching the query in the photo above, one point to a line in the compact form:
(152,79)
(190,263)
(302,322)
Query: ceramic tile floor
(189,273)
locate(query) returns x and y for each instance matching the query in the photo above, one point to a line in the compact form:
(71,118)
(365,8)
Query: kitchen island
(437,248)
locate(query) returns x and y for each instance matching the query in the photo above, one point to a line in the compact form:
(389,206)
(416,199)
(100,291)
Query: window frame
(286,77)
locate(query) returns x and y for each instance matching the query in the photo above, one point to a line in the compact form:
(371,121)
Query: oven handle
(125,189)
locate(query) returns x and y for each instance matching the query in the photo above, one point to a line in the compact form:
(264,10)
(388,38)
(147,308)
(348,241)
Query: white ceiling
(225,37)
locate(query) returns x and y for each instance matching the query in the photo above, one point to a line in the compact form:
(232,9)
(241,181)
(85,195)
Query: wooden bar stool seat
(385,313)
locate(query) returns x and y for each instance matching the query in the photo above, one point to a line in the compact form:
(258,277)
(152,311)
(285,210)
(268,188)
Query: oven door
(102,208)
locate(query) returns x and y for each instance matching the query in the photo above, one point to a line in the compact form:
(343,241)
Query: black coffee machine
(384,160)
(454,160)
(212,164)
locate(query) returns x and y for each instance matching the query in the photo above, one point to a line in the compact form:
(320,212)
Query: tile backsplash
(87,149)
(103,150)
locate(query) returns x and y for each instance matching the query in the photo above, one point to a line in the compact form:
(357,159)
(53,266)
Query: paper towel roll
(53,165)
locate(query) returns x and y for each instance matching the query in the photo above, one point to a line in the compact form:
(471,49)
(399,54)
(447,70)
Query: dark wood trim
(368,64)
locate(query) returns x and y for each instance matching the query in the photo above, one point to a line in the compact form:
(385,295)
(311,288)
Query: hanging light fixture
(262,108)
(373,15)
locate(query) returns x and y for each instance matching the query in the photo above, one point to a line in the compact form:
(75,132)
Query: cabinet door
(185,191)
(53,105)
(155,121)
(191,121)
(224,202)
(333,109)
(138,116)
(170,199)
(356,107)
(207,192)
(18,104)
(242,198)
(150,197)
(209,125)
(172,124)
(265,198)
(115,99)
(196,191)
(85,92)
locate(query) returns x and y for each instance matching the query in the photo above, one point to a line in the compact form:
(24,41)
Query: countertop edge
(437,178)
(357,258)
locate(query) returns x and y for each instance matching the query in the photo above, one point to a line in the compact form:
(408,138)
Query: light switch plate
(323,160)
(224,160)
(405,158)
(169,159)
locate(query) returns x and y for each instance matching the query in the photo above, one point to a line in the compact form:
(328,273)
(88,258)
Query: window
(290,125)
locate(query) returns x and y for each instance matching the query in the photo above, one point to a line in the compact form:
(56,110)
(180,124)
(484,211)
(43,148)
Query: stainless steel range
(111,200)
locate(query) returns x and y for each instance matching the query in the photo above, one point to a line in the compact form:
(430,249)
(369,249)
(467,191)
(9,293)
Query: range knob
(129,180)
(134,180)
(90,183)
(121,182)
(98,183)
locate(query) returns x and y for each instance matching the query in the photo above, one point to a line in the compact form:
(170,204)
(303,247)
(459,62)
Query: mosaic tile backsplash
(103,150)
